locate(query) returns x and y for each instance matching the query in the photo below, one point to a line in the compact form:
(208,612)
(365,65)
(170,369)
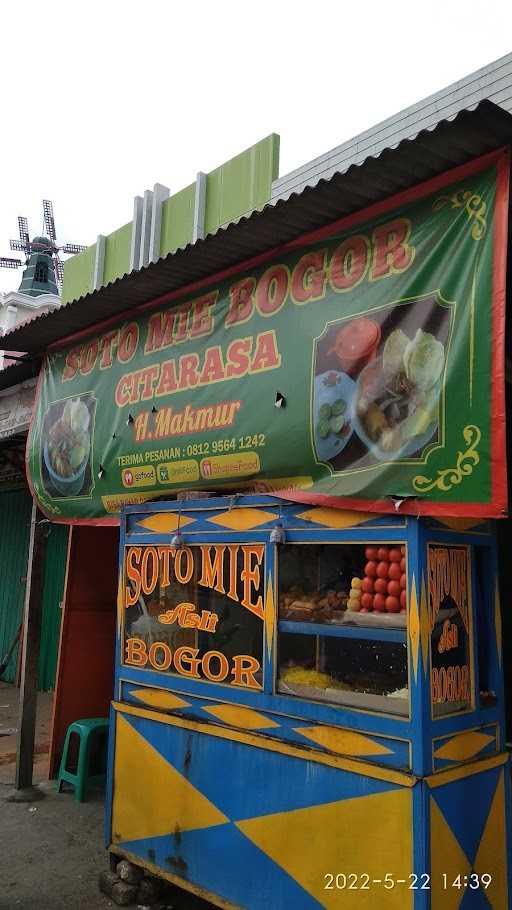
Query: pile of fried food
(294,604)
(301,676)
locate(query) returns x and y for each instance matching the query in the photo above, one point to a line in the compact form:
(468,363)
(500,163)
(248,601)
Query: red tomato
(395,555)
(383,569)
(383,554)
(392,605)
(403,581)
(370,569)
(367,601)
(402,564)
(394,571)
(371,552)
(367,585)
(379,603)
(381,585)
(403,600)
(394,588)
(402,550)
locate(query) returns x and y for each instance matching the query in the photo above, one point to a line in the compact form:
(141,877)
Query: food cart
(309,706)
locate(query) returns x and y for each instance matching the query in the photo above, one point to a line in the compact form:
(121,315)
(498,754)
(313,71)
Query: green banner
(364,363)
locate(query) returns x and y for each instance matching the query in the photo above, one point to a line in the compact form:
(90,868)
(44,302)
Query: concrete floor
(51,850)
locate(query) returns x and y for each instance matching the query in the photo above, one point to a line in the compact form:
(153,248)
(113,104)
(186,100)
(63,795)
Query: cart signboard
(196,612)
(449,574)
(364,362)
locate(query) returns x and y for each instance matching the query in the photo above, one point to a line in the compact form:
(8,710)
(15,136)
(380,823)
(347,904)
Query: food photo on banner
(68,432)
(365,361)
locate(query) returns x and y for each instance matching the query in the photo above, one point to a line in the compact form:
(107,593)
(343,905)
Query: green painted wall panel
(236,188)
(242,184)
(177,220)
(78,272)
(15,511)
(117,253)
(55,570)
(15,514)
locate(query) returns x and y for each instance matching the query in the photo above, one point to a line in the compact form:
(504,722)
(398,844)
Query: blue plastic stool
(87,730)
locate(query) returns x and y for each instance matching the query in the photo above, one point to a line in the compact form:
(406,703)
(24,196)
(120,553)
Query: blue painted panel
(366,632)
(270,782)
(474,900)
(225,862)
(286,730)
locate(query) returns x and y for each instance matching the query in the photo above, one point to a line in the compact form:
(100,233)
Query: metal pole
(32,614)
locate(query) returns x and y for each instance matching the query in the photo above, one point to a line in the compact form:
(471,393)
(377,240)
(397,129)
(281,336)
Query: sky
(100,100)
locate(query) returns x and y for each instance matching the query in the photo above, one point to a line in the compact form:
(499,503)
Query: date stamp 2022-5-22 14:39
(362,881)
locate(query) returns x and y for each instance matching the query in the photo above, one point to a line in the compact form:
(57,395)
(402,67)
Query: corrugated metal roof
(449,143)
(19,372)
(493,82)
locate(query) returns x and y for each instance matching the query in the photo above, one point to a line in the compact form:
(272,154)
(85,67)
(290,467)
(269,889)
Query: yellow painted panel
(165,522)
(492,852)
(243,519)
(308,843)
(335,518)
(414,627)
(242,717)
(345,742)
(270,614)
(464,746)
(477,767)
(113,502)
(159,698)
(141,776)
(424,625)
(120,603)
(281,748)
(447,856)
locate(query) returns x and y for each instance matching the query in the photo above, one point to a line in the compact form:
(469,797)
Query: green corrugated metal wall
(15,508)
(55,570)
(15,511)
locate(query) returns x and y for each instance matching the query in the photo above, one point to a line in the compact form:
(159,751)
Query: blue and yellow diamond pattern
(248,518)
(250,824)
(468,835)
(388,751)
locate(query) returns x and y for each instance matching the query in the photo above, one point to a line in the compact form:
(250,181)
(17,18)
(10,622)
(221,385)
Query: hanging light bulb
(177,539)
(278,534)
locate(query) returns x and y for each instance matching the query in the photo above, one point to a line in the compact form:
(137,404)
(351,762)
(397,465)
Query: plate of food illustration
(333,407)
(397,397)
(67,448)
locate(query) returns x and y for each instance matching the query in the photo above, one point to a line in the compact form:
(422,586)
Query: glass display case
(342,628)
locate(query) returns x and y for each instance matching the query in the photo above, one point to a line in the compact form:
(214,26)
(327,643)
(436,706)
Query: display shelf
(387,704)
(372,633)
